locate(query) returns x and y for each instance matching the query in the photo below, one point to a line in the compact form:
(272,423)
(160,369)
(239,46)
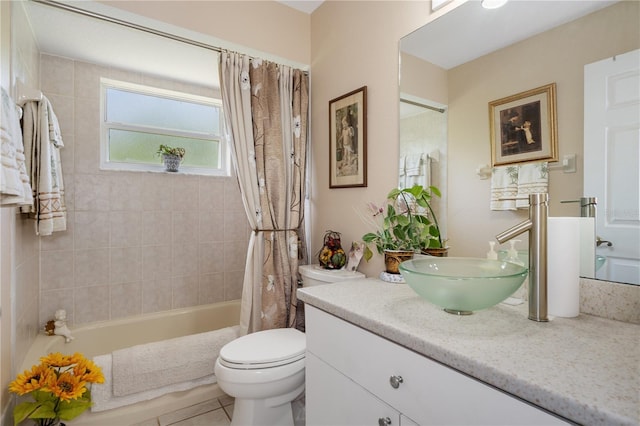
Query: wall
(355,43)
(136,242)
(19,257)
(602,34)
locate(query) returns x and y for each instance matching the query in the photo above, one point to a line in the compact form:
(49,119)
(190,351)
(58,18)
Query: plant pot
(393,258)
(171,162)
(437,252)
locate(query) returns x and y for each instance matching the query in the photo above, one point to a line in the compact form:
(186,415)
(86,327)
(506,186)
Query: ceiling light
(493,4)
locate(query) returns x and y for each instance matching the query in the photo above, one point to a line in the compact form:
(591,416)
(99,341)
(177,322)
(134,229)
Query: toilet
(313,275)
(264,371)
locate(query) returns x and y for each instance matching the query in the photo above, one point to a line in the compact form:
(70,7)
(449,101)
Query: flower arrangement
(59,386)
(407,222)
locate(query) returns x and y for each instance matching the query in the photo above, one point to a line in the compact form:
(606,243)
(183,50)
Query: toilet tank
(317,275)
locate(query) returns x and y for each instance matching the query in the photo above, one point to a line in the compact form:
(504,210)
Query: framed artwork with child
(348,140)
(523,127)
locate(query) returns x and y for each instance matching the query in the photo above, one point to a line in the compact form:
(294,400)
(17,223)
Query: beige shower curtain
(266,111)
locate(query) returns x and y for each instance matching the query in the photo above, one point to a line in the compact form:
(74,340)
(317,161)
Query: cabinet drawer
(429,392)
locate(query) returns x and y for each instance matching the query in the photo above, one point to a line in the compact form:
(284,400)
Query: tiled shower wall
(136,242)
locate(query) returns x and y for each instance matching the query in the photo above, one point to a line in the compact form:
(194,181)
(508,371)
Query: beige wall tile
(185,260)
(156,294)
(185,291)
(126,300)
(213,226)
(91,229)
(91,267)
(57,269)
(157,228)
(211,258)
(126,265)
(126,229)
(91,304)
(156,262)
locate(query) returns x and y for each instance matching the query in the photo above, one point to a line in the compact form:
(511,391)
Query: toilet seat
(264,349)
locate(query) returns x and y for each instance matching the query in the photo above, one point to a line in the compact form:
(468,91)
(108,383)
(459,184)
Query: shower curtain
(266,111)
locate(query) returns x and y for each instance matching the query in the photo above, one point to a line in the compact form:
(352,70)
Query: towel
(417,170)
(517,182)
(532,178)
(42,142)
(104,399)
(15,189)
(504,184)
(168,362)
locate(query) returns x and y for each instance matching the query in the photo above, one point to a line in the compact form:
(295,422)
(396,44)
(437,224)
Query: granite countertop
(585,369)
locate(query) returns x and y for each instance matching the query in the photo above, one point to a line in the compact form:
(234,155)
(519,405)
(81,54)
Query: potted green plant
(406,224)
(172,157)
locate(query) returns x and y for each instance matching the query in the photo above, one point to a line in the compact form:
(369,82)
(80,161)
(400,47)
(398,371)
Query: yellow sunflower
(38,378)
(88,371)
(67,387)
(57,359)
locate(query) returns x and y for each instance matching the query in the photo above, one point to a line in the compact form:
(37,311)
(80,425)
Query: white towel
(532,178)
(154,365)
(42,142)
(15,189)
(103,398)
(517,182)
(504,184)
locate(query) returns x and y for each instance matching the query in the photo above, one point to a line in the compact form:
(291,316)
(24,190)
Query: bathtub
(105,337)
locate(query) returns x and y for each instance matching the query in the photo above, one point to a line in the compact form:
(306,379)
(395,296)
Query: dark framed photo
(348,140)
(523,127)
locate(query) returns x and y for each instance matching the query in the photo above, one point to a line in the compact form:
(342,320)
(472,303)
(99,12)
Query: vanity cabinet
(354,377)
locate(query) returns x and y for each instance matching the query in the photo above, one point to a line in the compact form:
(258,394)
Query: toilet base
(265,412)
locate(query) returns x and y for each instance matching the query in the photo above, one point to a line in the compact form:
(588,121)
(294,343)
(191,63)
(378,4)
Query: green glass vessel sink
(462,285)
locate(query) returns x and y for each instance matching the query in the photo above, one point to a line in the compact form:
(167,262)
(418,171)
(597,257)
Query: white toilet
(316,275)
(264,371)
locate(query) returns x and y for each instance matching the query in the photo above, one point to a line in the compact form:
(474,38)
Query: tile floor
(215,412)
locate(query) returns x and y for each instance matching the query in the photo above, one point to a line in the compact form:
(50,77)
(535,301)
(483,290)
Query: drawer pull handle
(384,421)
(395,381)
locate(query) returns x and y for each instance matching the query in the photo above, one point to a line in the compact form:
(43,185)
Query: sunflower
(67,387)
(59,360)
(38,378)
(88,371)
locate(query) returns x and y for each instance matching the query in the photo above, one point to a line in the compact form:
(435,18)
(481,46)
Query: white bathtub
(105,337)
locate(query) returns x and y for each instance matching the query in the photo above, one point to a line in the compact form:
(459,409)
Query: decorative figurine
(50,327)
(61,328)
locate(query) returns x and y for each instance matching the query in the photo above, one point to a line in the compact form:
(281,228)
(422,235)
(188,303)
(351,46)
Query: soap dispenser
(512,254)
(491,254)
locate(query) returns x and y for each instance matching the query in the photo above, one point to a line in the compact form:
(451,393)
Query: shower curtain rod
(123,23)
(67,7)
(414,103)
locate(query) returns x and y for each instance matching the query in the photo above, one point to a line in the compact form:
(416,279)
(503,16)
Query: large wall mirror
(469,56)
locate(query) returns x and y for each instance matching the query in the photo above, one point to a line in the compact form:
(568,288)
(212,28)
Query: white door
(611,161)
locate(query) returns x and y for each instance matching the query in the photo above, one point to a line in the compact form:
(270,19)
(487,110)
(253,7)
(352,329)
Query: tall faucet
(537,227)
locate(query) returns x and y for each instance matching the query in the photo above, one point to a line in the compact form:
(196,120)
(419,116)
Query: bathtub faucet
(537,227)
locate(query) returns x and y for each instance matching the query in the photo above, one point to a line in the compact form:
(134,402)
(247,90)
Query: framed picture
(523,127)
(348,140)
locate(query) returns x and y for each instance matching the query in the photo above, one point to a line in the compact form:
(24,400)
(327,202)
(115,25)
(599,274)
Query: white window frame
(105,126)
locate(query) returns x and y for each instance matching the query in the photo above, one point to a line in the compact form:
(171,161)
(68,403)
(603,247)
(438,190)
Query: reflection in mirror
(423,150)
(498,54)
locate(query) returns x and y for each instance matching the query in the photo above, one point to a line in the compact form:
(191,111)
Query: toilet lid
(263,349)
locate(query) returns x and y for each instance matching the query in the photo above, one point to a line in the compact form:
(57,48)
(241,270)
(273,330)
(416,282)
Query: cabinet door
(333,399)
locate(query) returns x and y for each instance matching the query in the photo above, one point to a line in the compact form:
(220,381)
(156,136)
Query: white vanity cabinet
(354,377)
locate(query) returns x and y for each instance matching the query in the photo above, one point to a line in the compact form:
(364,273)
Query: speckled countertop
(585,369)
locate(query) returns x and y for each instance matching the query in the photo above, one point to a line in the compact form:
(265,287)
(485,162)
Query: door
(611,161)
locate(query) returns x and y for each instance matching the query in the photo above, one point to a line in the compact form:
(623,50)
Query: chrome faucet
(537,227)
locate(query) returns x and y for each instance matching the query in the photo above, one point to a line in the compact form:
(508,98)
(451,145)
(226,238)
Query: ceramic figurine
(61,328)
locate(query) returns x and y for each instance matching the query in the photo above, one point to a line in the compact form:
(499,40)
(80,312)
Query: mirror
(435,66)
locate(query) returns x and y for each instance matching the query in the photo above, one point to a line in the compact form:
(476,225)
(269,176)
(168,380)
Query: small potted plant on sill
(406,224)
(172,157)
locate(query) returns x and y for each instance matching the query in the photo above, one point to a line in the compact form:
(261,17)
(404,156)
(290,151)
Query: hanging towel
(417,170)
(504,184)
(15,189)
(402,172)
(42,141)
(532,178)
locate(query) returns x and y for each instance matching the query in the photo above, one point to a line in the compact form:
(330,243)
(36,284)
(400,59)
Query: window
(137,119)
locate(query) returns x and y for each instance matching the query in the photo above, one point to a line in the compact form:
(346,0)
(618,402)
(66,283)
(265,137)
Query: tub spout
(537,227)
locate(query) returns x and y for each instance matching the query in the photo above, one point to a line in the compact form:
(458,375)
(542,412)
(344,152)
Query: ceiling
(470,31)
(307,6)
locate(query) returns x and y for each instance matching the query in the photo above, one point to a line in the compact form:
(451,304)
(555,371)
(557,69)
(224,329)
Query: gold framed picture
(523,127)
(348,140)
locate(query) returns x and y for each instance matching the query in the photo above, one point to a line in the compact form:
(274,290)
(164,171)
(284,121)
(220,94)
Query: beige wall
(556,56)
